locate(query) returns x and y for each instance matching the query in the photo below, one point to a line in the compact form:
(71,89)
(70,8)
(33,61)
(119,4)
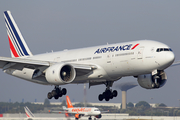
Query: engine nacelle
(98,116)
(149,81)
(77,116)
(60,74)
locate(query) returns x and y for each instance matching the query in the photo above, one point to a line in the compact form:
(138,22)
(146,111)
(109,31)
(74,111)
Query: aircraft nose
(170,57)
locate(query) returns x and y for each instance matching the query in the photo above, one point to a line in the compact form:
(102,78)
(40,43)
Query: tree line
(142,108)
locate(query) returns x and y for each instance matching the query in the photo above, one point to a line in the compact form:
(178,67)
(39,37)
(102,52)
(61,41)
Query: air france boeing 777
(146,60)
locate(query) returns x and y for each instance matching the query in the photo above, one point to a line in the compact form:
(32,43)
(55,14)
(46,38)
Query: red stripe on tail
(27,115)
(12,48)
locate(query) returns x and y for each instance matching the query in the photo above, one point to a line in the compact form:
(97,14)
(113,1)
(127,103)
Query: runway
(104,117)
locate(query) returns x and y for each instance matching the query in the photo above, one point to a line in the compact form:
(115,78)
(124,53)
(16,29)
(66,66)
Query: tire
(64,91)
(100,97)
(115,93)
(111,96)
(53,93)
(56,97)
(49,95)
(107,98)
(108,93)
(60,94)
(104,94)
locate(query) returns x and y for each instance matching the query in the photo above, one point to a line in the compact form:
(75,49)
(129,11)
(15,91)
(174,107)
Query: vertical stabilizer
(18,46)
(69,104)
(29,114)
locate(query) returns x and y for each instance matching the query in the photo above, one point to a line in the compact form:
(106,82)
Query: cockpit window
(166,49)
(163,49)
(170,49)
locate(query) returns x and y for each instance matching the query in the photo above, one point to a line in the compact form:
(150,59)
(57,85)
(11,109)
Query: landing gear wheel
(108,93)
(56,93)
(56,97)
(60,95)
(100,97)
(64,91)
(49,96)
(111,96)
(53,93)
(115,93)
(107,98)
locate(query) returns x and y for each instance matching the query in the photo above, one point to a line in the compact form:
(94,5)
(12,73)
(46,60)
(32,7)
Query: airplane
(146,60)
(78,112)
(31,116)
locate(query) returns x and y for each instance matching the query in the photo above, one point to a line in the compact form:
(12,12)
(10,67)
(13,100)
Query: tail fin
(18,46)
(28,112)
(69,104)
(64,108)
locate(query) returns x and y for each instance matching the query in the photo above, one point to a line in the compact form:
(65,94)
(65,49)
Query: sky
(57,25)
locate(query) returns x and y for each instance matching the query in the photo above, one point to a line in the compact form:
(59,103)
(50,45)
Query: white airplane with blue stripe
(31,116)
(146,60)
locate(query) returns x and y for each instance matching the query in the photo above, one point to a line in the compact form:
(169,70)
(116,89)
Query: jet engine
(150,81)
(60,74)
(98,116)
(77,116)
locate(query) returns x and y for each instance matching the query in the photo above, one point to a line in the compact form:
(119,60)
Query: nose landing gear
(57,92)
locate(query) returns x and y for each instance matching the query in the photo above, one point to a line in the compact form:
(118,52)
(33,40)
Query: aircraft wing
(50,111)
(175,63)
(20,63)
(105,111)
(6,62)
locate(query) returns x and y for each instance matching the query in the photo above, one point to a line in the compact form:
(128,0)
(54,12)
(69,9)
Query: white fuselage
(86,111)
(113,61)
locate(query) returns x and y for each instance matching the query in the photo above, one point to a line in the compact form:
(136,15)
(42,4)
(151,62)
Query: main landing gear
(57,92)
(108,94)
(90,118)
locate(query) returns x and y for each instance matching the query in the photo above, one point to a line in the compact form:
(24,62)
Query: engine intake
(149,81)
(60,74)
